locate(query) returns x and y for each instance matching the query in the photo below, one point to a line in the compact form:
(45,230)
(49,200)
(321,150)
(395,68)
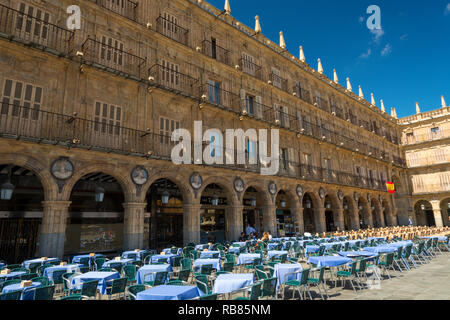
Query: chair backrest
(72,297)
(33,267)
(261,275)
(67,278)
(186,263)
(206,269)
(84,269)
(13,295)
(119,285)
(174,250)
(228,266)
(212,296)
(85,261)
(321,250)
(304,276)
(362,265)
(28,276)
(58,276)
(134,290)
(43,267)
(346,246)
(89,288)
(183,274)
(269,287)
(255,293)
(230,257)
(202,283)
(160,278)
(117,266)
(130,271)
(99,263)
(321,272)
(389,258)
(43,280)
(132,255)
(44,293)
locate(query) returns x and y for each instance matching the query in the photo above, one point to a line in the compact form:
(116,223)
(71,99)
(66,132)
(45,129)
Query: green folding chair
(132,291)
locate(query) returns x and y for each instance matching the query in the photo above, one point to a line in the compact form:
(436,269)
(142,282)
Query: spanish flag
(390,187)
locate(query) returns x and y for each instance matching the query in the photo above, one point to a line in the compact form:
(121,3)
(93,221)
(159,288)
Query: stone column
(53,228)
(339,218)
(191,223)
(133,225)
(369,217)
(354,219)
(319,219)
(235,222)
(297,217)
(270,219)
(437,213)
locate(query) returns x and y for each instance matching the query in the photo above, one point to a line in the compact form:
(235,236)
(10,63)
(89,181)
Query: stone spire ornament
(282,43)
(319,66)
(227,8)
(302,55)
(443,102)
(392,112)
(382,106)
(360,93)
(336,79)
(417,108)
(349,85)
(395,113)
(257,25)
(372,99)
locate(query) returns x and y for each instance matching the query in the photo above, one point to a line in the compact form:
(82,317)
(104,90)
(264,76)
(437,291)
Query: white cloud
(367,54)
(386,50)
(447,9)
(377,34)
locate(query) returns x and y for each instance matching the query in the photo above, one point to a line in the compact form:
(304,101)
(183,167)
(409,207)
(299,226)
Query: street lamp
(422,206)
(253,201)
(308,204)
(7,190)
(165,197)
(327,205)
(99,194)
(215,200)
(283,202)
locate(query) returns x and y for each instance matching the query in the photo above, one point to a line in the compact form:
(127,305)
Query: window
(214,92)
(25,25)
(285,117)
(250,105)
(308,162)
(328,167)
(170,25)
(439,155)
(169,74)
(16,95)
(418,184)
(111,52)
(307,125)
(276,79)
(409,137)
(284,158)
(413,159)
(252,151)
(166,127)
(277,113)
(215,145)
(445,182)
(107,118)
(317,99)
(434,132)
(248,64)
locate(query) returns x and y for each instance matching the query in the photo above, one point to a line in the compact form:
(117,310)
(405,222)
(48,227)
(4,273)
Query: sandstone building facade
(87,115)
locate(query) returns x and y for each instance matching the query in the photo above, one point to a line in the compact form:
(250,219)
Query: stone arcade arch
(424,213)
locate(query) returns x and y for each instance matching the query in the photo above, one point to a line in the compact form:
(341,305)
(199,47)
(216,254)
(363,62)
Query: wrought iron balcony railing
(172,30)
(125,8)
(114,58)
(222,98)
(429,136)
(278,81)
(42,34)
(48,127)
(250,68)
(302,94)
(170,78)
(216,52)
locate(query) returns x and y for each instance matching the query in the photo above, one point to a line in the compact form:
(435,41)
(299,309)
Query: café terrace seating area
(302,267)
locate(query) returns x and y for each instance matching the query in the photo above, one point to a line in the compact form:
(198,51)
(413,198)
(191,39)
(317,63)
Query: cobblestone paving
(430,281)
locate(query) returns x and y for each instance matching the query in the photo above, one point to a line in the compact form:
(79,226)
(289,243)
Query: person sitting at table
(265,236)
(243,237)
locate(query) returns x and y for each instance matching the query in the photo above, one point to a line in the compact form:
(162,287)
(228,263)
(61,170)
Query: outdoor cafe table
(151,269)
(272,245)
(165,292)
(234,250)
(103,277)
(26,264)
(329,261)
(311,248)
(12,275)
(138,254)
(48,272)
(201,246)
(27,293)
(381,249)
(245,258)
(168,257)
(399,244)
(440,238)
(242,244)
(226,283)
(208,254)
(286,242)
(169,250)
(199,262)
(77,259)
(351,254)
(273,253)
(281,269)
(108,263)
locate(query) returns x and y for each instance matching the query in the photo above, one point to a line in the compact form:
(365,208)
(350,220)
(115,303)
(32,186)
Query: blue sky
(408,61)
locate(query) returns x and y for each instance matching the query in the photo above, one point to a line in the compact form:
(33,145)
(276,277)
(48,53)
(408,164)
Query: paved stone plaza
(429,282)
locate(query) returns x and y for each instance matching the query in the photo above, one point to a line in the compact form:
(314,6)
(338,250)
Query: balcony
(21,27)
(426,137)
(113,59)
(34,125)
(278,81)
(125,8)
(302,94)
(173,80)
(221,98)
(214,51)
(250,68)
(172,30)
(432,159)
